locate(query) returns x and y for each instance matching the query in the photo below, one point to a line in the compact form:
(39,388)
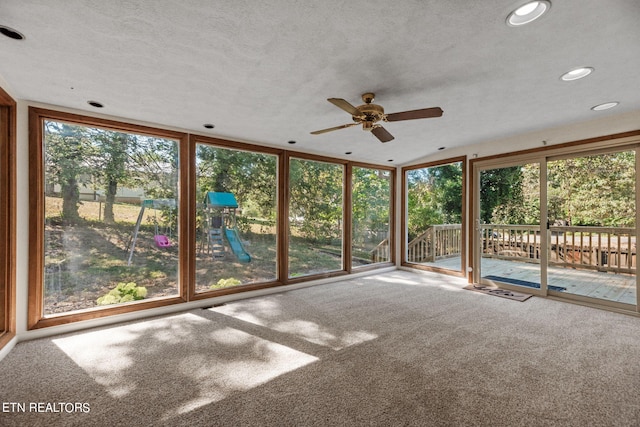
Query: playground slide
(236,245)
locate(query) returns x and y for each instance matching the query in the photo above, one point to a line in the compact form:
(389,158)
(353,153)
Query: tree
(501,196)
(251,177)
(597,190)
(370,202)
(111,161)
(434,197)
(316,198)
(66,151)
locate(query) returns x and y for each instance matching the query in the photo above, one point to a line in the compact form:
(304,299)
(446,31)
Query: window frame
(7,217)
(405,216)
(35,313)
(346,219)
(392,214)
(194,140)
(187,241)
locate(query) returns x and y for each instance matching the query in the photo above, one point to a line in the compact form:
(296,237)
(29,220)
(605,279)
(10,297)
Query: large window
(126,217)
(434,215)
(110,216)
(236,217)
(7,218)
(315,217)
(371,216)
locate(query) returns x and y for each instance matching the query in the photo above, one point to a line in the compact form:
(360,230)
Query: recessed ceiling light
(209,125)
(95,104)
(528,12)
(390,160)
(441,148)
(576,73)
(605,106)
(11,33)
(348,152)
(292,142)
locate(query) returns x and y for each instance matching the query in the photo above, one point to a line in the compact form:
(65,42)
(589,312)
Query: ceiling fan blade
(341,103)
(381,133)
(318,132)
(424,113)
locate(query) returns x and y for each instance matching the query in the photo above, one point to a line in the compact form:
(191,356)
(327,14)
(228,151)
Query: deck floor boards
(594,284)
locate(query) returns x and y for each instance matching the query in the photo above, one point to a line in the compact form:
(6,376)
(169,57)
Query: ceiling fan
(369,114)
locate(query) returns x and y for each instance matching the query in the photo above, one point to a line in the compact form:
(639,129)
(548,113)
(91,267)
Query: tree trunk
(112,189)
(70,201)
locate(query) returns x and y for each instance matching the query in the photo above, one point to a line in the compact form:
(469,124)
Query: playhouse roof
(220,200)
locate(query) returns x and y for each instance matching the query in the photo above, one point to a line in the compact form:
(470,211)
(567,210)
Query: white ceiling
(261,71)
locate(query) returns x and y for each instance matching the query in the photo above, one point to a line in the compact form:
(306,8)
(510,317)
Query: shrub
(225,283)
(123,292)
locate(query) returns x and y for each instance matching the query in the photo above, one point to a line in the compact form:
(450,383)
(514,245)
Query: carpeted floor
(398,348)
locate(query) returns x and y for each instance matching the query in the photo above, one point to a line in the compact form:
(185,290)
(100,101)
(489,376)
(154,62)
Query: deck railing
(381,252)
(597,248)
(438,242)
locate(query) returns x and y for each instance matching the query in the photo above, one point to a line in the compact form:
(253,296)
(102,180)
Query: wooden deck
(594,284)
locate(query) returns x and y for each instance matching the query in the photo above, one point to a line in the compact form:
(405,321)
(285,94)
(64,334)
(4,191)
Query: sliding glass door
(508,226)
(592,226)
(561,223)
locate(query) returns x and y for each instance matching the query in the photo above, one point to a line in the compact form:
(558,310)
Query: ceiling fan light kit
(369,114)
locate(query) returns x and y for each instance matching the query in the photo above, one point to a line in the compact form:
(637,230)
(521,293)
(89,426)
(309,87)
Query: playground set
(219,228)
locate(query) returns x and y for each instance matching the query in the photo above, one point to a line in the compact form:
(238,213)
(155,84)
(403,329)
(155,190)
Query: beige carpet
(398,348)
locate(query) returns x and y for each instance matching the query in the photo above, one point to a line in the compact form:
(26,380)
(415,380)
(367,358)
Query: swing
(161,240)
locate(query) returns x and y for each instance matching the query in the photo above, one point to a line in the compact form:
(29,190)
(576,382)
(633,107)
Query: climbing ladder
(215,244)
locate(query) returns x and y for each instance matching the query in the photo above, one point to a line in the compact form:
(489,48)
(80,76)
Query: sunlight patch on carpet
(190,352)
(334,337)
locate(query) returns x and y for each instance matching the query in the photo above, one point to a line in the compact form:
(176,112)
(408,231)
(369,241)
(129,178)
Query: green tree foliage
(105,159)
(434,197)
(112,151)
(596,190)
(66,148)
(501,196)
(251,177)
(370,203)
(316,199)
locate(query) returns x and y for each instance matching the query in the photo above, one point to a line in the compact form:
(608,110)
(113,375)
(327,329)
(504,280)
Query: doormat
(524,283)
(503,293)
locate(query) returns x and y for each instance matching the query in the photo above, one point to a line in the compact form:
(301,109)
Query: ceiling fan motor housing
(372,113)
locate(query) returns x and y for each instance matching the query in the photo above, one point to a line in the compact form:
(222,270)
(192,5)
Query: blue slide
(236,245)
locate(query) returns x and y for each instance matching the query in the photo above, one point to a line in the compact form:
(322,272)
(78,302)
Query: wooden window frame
(194,140)
(346,216)
(187,242)
(36,318)
(7,218)
(405,217)
(392,214)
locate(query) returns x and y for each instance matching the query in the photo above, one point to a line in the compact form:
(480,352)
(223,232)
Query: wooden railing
(596,248)
(438,242)
(381,252)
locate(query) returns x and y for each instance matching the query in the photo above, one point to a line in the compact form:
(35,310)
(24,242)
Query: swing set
(161,240)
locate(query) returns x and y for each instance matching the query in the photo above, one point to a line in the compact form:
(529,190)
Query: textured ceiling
(261,70)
